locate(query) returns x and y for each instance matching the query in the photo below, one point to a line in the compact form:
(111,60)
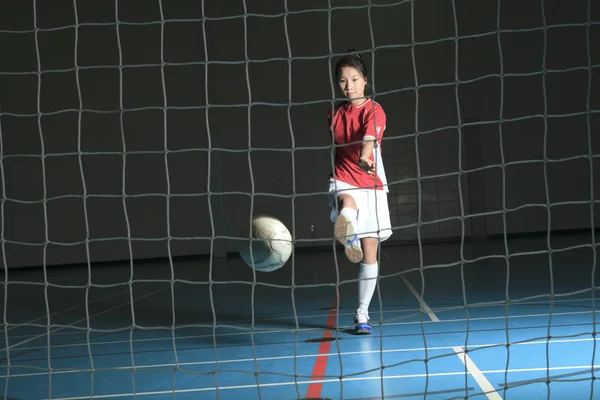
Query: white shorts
(373,212)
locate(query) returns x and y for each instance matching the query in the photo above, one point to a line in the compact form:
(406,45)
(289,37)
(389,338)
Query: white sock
(367,275)
(351,214)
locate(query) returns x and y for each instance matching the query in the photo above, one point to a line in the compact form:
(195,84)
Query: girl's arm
(374,125)
(365,162)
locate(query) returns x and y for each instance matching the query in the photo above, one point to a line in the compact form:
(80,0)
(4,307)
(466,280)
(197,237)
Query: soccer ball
(271,244)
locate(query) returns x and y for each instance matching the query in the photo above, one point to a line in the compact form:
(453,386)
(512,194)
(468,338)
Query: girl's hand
(367,165)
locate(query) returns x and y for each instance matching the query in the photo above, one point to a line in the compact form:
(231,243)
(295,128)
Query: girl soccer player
(358,183)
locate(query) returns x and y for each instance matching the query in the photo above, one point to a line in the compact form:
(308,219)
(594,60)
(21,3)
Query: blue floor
(528,334)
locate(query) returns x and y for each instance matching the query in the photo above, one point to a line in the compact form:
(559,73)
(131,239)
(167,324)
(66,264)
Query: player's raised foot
(361,323)
(346,235)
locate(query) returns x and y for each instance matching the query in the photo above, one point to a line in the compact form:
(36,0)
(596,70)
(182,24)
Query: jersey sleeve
(330,117)
(374,123)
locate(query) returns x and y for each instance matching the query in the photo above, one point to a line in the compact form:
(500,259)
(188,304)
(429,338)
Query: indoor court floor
(281,338)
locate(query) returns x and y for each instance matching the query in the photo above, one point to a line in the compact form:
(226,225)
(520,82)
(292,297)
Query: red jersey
(351,124)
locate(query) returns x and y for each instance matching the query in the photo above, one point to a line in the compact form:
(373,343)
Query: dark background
(126,125)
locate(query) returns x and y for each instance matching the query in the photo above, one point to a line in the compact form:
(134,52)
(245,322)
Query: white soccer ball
(271,244)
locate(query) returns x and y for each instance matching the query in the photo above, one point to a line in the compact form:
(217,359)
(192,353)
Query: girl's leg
(376,220)
(368,271)
(345,228)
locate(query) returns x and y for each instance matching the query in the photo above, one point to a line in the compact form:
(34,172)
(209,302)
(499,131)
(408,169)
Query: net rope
(14,342)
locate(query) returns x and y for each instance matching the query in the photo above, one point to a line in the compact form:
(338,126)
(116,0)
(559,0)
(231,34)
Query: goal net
(137,139)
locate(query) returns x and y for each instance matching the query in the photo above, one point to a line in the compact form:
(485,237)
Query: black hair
(354,60)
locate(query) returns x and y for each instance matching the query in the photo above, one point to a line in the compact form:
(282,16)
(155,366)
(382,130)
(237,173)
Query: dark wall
(122,128)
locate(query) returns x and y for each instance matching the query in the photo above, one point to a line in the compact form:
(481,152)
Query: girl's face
(352,83)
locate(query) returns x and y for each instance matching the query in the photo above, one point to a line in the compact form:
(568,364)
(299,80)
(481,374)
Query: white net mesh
(138,140)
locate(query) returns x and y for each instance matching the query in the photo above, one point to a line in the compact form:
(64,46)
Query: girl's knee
(370,246)
(346,201)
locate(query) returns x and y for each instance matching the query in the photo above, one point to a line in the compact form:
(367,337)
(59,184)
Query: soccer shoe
(361,323)
(345,234)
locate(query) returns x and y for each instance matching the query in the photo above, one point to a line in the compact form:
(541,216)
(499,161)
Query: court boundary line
(72,325)
(143,284)
(83,331)
(247,331)
(320,365)
(276,358)
(588,368)
(485,385)
(439,309)
(412,311)
(160,290)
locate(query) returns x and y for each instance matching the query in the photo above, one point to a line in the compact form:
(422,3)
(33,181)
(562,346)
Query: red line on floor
(318,372)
